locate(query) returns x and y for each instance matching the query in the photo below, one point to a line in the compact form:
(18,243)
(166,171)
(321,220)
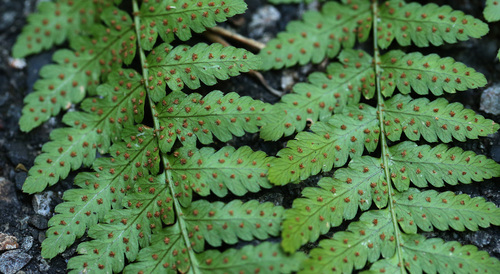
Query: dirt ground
(25,217)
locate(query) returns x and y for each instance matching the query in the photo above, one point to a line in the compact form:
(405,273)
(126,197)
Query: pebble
(495,153)
(27,243)
(41,203)
(264,17)
(8,242)
(490,100)
(8,196)
(13,261)
(38,221)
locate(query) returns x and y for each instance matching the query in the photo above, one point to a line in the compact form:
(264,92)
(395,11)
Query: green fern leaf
(331,143)
(266,257)
(204,171)
(54,22)
(342,84)
(426,24)
(319,35)
(337,198)
(437,165)
(423,73)
(218,222)
(433,120)
(78,72)
(365,240)
(125,230)
(437,256)
(193,117)
(101,190)
(191,66)
(121,102)
(445,210)
(166,18)
(492,11)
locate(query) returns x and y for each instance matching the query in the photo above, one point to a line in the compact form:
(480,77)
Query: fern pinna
(373,102)
(137,203)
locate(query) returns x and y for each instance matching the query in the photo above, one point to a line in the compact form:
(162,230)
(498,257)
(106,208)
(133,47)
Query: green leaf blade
(431,209)
(227,170)
(424,25)
(338,198)
(189,118)
(492,11)
(190,66)
(318,35)
(422,74)
(423,165)
(433,120)
(169,19)
(331,143)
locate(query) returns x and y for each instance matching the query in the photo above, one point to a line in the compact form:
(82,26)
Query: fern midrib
(177,207)
(383,143)
(199,63)
(424,71)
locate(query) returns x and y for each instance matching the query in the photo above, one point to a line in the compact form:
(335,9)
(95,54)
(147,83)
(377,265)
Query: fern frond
(193,117)
(54,22)
(437,165)
(190,66)
(124,231)
(121,102)
(444,210)
(206,170)
(492,11)
(166,18)
(319,35)
(78,72)
(364,241)
(437,256)
(337,198)
(266,257)
(329,144)
(341,85)
(420,73)
(421,25)
(102,189)
(433,120)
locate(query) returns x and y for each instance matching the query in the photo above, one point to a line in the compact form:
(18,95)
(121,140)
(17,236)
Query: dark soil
(21,215)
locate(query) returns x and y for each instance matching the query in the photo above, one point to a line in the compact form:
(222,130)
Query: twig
(236,37)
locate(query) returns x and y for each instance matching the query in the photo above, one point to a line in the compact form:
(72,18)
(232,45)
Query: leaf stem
(156,121)
(236,37)
(385,148)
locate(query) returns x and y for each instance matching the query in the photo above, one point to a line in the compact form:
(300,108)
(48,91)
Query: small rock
(43,266)
(13,261)
(8,242)
(19,178)
(41,203)
(41,237)
(8,197)
(27,243)
(38,221)
(490,100)
(263,18)
(480,238)
(18,154)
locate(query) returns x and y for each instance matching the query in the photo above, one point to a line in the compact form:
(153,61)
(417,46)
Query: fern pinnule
(190,66)
(204,171)
(176,19)
(78,71)
(192,117)
(55,22)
